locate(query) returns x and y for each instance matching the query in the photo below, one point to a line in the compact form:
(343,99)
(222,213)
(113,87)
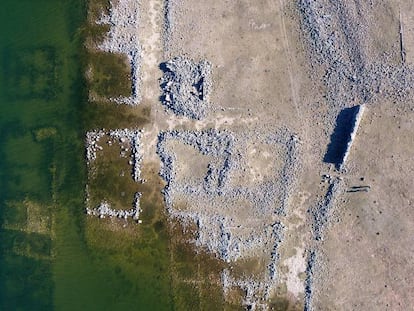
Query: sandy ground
(291,67)
(369,250)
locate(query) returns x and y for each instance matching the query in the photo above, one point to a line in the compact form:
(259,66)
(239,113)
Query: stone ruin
(123,39)
(217,144)
(104,210)
(130,148)
(236,216)
(186,87)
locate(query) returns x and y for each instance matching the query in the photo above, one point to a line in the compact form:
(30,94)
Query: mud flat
(242,110)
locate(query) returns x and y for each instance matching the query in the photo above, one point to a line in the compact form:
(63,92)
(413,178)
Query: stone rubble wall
(357,121)
(129,141)
(123,39)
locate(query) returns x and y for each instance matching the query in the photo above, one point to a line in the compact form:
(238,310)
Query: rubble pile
(186,87)
(104,210)
(336,37)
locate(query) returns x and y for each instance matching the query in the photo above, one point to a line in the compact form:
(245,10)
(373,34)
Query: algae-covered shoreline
(52,256)
(154,253)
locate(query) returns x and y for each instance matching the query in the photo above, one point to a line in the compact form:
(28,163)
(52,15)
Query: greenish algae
(100,115)
(108,75)
(51,255)
(196,275)
(110,177)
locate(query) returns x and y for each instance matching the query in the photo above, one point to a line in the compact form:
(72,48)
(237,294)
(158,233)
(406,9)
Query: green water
(46,259)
